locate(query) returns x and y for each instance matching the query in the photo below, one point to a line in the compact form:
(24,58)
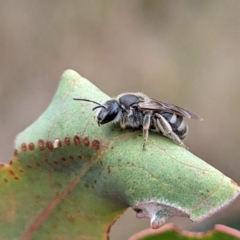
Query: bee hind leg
(165,128)
(146,126)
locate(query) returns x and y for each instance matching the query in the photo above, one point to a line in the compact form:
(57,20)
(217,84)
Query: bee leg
(166,130)
(123,121)
(146,126)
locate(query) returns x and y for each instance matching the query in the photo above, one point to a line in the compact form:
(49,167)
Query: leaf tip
(69,73)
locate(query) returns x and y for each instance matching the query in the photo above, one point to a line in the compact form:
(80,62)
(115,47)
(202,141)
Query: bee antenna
(101,106)
(87,100)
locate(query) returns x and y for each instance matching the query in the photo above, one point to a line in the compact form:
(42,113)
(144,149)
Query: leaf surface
(170,231)
(71,179)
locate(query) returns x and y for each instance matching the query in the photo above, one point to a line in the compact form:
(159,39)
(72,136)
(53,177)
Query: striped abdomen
(178,125)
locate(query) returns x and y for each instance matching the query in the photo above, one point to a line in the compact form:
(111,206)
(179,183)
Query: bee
(137,110)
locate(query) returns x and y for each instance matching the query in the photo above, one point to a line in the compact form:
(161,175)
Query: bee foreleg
(146,126)
(166,129)
(123,121)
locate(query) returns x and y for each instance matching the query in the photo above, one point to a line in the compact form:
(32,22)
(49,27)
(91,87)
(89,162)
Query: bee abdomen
(182,133)
(177,123)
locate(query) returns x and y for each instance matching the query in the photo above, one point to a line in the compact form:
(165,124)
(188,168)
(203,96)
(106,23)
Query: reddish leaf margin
(172,227)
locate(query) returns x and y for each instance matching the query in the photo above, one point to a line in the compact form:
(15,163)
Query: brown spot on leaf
(31,146)
(54,226)
(49,145)
(16,178)
(67,141)
(12,172)
(46,160)
(101,163)
(70,217)
(10,163)
(41,144)
(79,156)
(108,169)
(86,142)
(37,164)
(76,140)
(63,159)
(71,157)
(15,153)
(56,162)
(207,191)
(24,146)
(21,170)
(5,180)
(29,166)
(86,185)
(95,144)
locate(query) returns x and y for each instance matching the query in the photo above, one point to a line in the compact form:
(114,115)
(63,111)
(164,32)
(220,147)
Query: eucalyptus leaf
(170,231)
(71,179)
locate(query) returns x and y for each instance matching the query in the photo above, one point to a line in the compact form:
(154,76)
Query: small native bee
(137,110)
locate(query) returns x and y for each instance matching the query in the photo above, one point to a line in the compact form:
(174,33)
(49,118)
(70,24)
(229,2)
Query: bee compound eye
(101,115)
(110,113)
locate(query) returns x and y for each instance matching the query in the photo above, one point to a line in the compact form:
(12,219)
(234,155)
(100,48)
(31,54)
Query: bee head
(106,112)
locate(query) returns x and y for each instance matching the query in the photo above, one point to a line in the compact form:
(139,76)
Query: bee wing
(156,105)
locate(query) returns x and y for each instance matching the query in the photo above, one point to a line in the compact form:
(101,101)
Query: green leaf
(170,231)
(71,179)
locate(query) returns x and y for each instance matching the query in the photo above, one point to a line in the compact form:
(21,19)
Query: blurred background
(183,52)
